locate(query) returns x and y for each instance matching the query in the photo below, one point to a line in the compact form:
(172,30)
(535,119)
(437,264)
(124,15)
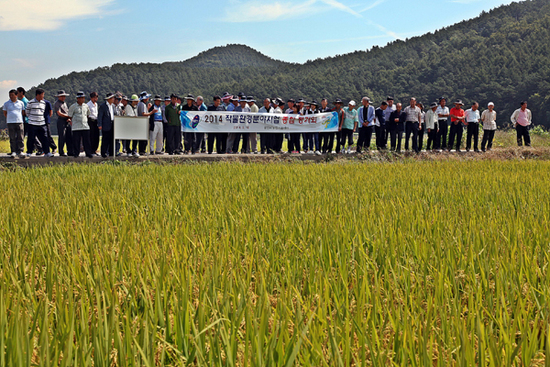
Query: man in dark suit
(105,119)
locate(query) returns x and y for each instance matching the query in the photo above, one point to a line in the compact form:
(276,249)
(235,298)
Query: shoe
(62,154)
(317,152)
(118,154)
(38,154)
(255,152)
(48,155)
(22,155)
(135,155)
(12,154)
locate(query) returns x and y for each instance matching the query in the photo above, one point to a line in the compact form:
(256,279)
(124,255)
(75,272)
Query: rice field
(337,264)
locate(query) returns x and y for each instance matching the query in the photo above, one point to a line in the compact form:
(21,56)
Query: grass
(503,139)
(340,264)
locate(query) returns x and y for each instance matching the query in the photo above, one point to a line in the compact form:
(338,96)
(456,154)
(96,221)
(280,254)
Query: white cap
(491,104)
(352,102)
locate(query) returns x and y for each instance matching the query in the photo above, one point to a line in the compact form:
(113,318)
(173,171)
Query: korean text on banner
(233,122)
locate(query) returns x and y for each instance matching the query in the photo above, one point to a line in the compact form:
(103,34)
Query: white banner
(245,122)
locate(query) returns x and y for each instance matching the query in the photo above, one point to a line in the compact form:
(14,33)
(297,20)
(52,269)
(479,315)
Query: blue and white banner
(243,122)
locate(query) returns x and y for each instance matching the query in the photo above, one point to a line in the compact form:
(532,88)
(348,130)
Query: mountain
(501,56)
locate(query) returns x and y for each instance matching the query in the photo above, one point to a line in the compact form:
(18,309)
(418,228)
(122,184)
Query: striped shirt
(35,112)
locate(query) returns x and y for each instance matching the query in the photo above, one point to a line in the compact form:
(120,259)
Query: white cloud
(46,15)
(373,5)
(8,84)
(257,11)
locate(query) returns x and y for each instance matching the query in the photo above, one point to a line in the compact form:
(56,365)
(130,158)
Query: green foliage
(501,56)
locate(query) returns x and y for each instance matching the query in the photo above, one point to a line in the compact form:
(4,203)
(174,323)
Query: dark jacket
(397,126)
(104,119)
(185,107)
(213,108)
(381,116)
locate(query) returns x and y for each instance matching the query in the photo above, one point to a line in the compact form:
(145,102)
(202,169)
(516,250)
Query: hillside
(501,56)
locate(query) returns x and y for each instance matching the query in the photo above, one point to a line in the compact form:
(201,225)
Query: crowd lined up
(84,125)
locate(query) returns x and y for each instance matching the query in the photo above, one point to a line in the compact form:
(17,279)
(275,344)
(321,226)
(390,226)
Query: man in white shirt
(265,138)
(105,120)
(472,125)
(443,115)
(522,119)
(414,117)
(253,137)
(13,112)
(489,119)
(92,122)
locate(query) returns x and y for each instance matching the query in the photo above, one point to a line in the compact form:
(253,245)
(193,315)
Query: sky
(43,39)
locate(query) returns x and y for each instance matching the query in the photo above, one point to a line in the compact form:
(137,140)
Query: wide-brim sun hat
(134,98)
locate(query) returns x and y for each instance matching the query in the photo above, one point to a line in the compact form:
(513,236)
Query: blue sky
(42,39)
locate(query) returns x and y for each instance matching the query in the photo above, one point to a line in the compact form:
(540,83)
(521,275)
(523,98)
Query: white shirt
(471,115)
(442,111)
(93,110)
(389,111)
(489,120)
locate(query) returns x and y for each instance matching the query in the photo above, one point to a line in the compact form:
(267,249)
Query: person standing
(421,126)
(21,96)
(489,119)
(48,113)
(92,122)
(457,129)
(199,144)
(294,141)
(234,139)
(314,108)
(443,116)
(431,120)
(277,138)
(522,119)
(64,131)
(165,121)
(338,104)
(173,136)
(253,137)
(105,121)
(78,114)
(365,116)
(414,117)
(131,111)
(189,137)
(156,128)
(139,147)
(326,139)
(349,126)
(387,114)
(472,126)
(396,126)
(265,138)
(219,138)
(380,126)
(35,111)
(13,112)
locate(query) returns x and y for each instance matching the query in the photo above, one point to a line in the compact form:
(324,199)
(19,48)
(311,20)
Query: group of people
(84,125)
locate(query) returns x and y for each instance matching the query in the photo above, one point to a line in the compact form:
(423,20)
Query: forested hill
(501,56)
